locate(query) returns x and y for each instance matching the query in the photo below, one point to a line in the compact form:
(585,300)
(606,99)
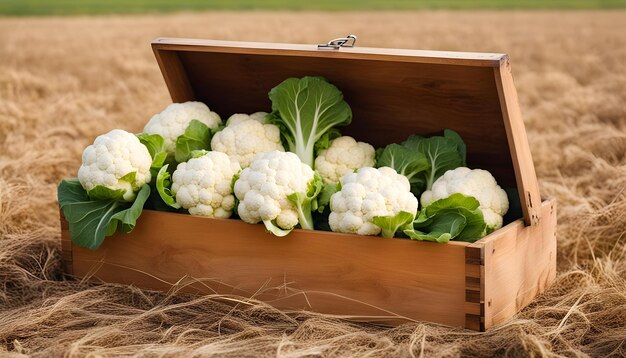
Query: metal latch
(336,44)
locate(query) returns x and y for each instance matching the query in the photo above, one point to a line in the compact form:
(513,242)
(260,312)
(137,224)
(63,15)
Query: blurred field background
(66,79)
(73,7)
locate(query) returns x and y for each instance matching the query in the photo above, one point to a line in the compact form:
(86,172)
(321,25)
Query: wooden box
(393,93)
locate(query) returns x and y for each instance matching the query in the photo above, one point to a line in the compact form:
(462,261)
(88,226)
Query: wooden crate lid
(393,93)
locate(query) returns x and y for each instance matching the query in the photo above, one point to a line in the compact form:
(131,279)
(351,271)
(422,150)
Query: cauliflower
(477,183)
(202,185)
(115,166)
(369,194)
(343,156)
(278,189)
(172,122)
(246,136)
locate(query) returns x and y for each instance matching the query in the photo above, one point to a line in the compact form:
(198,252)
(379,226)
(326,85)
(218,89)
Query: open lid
(393,93)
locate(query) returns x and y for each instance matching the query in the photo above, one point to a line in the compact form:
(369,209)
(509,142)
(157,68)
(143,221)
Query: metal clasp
(338,43)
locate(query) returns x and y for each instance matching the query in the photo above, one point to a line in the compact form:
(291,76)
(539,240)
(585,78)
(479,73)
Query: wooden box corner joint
(505,272)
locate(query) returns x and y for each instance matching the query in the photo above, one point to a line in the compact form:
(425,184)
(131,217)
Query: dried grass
(65,80)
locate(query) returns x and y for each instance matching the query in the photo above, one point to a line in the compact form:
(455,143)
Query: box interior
(390,100)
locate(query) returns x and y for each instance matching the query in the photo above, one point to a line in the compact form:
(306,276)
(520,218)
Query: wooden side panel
(175,76)
(347,275)
(66,246)
(519,263)
(525,175)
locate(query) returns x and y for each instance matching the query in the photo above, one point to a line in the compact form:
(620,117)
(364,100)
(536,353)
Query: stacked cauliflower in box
(290,168)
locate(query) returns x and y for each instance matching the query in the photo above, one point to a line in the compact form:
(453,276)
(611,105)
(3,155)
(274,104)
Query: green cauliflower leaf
(307,110)
(456,217)
(91,220)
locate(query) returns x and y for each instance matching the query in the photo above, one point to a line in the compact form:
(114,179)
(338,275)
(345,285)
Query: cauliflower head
(174,119)
(477,183)
(246,136)
(116,161)
(366,194)
(264,188)
(344,155)
(202,185)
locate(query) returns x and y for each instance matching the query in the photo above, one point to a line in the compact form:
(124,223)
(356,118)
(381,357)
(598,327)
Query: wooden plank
(311,50)
(526,178)
(519,264)
(66,246)
(347,275)
(175,76)
(474,322)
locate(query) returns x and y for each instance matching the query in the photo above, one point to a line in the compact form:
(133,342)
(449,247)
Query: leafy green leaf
(232,190)
(198,153)
(127,218)
(475,226)
(130,177)
(197,136)
(163,184)
(442,228)
(405,161)
(432,236)
(423,160)
(392,224)
(90,221)
(307,110)
(453,201)
(305,202)
(273,229)
(101,192)
(460,144)
(156,146)
(323,199)
(456,217)
(71,191)
(442,154)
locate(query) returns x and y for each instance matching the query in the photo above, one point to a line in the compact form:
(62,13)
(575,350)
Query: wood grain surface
(518,264)
(340,274)
(523,164)
(475,286)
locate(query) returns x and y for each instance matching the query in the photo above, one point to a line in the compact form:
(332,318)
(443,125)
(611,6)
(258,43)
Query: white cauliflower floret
(203,185)
(264,186)
(368,193)
(175,118)
(246,136)
(242,117)
(477,183)
(111,160)
(343,156)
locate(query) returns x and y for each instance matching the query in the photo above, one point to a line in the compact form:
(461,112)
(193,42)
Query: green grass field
(73,7)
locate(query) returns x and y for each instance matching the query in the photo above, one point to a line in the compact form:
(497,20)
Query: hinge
(336,44)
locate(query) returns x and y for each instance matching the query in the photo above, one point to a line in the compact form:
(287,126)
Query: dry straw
(65,80)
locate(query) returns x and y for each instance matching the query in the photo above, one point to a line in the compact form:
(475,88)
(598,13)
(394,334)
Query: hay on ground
(65,80)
